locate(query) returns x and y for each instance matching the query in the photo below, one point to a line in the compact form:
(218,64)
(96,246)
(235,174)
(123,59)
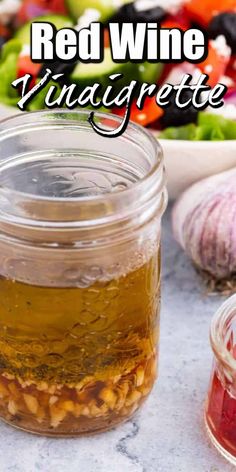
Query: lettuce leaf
(37,102)
(209,127)
(186,132)
(226,127)
(8,72)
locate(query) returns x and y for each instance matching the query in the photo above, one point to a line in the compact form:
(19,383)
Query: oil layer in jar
(77,360)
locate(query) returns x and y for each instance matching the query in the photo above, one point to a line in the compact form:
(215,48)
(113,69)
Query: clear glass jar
(80,219)
(221,402)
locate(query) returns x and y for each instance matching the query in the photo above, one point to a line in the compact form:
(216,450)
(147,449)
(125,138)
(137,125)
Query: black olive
(130,13)
(58,67)
(174,116)
(2,41)
(225,24)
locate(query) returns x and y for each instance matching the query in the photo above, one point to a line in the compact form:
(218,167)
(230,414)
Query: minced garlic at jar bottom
(95,404)
(78,360)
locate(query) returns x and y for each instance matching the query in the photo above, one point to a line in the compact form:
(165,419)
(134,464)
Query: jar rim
(157,150)
(145,194)
(220,325)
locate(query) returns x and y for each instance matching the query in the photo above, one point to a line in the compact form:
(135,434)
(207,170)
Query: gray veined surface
(168,434)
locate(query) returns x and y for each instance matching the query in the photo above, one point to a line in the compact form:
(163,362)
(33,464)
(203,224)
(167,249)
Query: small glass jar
(221,403)
(80,219)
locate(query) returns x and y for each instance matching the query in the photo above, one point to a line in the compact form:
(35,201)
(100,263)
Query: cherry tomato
(179,20)
(203,11)
(106,38)
(215,65)
(26,66)
(150,113)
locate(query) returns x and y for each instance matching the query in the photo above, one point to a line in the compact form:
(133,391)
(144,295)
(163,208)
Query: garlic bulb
(204,223)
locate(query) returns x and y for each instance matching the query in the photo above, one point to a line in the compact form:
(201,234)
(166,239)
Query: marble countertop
(168,434)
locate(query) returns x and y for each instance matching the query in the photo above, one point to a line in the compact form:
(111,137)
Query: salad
(216,17)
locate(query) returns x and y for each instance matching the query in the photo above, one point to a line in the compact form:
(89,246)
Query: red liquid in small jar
(221,415)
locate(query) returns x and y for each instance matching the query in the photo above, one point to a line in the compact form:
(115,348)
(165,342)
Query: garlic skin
(204,224)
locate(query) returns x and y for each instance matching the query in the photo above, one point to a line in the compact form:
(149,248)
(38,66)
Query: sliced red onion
(231,97)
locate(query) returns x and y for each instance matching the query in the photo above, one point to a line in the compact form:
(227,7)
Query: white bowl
(186,162)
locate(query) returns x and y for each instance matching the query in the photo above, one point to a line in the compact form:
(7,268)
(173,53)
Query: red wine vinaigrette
(221,402)
(221,415)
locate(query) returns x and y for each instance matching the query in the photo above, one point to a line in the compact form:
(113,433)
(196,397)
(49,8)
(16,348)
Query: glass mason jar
(221,402)
(80,219)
